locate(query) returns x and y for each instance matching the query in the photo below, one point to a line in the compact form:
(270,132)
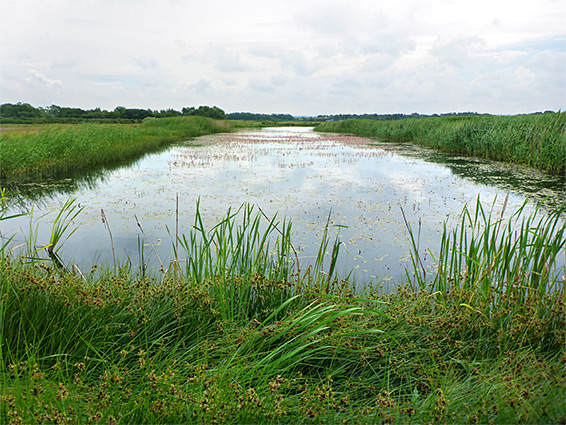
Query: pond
(362,187)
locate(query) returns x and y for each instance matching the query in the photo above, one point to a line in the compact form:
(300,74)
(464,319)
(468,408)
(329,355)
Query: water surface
(361,184)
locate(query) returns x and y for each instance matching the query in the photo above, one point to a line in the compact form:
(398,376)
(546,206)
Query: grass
(60,151)
(537,140)
(518,257)
(234,331)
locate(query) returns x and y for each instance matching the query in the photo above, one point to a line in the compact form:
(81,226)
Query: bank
(536,140)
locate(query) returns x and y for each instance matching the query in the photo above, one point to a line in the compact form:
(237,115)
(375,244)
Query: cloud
(145,62)
(524,77)
(461,53)
(293,60)
(37,78)
(267,85)
(226,61)
(201,89)
(323,56)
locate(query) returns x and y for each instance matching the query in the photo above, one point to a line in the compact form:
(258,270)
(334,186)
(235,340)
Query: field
(537,140)
(234,331)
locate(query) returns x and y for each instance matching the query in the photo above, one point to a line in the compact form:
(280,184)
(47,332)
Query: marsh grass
(5,205)
(537,140)
(516,259)
(60,151)
(240,337)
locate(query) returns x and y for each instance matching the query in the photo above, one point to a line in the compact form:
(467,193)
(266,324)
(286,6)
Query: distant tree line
(390,117)
(250,116)
(26,113)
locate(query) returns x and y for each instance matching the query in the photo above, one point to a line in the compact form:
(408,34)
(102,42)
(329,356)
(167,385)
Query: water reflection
(293,172)
(539,186)
(37,193)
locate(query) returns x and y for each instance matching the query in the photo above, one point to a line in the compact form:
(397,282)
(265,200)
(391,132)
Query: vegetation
(235,331)
(206,111)
(537,140)
(24,113)
(249,116)
(55,151)
(390,117)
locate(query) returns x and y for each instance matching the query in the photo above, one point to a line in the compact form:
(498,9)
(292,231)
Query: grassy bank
(61,150)
(236,331)
(536,140)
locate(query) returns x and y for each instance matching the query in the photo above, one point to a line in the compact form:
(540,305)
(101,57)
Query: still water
(360,185)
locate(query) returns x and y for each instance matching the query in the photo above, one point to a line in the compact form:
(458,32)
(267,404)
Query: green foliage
(390,117)
(206,111)
(22,113)
(249,116)
(537,140)
(117,347)
(19,110)
(62,151)
(504,262)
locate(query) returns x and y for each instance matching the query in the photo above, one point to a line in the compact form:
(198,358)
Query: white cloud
(330,56)
(145,62)
(524,77)
(38,79)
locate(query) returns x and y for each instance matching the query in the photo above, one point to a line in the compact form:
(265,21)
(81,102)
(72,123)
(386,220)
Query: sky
(289,56)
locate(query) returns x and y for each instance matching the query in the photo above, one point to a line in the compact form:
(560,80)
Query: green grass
(60,151)
(517,257)
(234,331)
(537,140)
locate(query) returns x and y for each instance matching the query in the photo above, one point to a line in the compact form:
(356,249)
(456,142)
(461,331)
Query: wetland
(445,303)
(361,187)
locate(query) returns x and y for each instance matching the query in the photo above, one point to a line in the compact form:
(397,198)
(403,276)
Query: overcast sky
(304,57)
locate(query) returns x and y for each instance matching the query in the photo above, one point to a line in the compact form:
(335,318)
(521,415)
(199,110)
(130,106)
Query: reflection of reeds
(5,204)
(107,225)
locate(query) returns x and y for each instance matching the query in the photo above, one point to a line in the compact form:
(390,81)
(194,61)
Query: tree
(119,111)
(53,111)
(136,114)
(206,111)
(167,113)
(19,110)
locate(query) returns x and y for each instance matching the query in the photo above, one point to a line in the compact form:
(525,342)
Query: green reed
(496,258)
(537,140)
(247,258)
(62,151)
(6,204)
(242,337)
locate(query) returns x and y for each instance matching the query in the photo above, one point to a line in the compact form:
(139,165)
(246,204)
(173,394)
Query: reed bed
(234,331)
(520,257)
(61,151)
(537,140)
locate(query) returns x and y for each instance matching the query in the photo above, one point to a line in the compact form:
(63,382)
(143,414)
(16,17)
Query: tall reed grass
(62,151)
(233,333)
(517,259)
(537,140)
